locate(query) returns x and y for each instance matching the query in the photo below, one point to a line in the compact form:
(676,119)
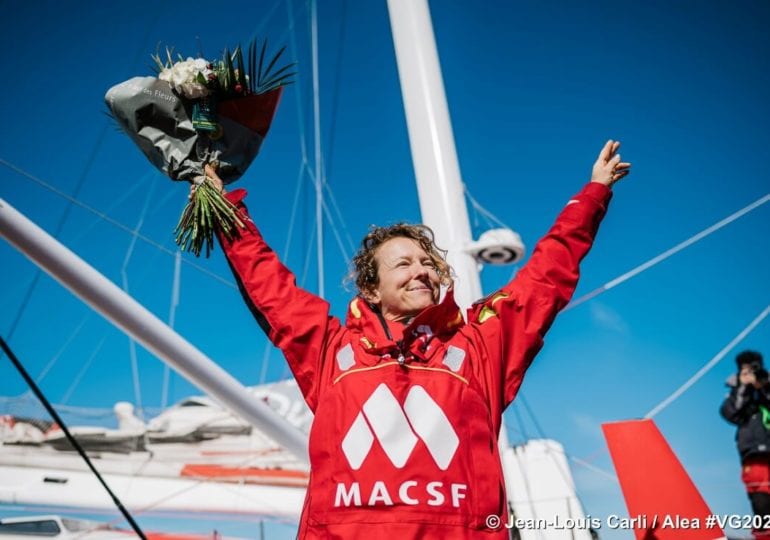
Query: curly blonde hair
(364,271)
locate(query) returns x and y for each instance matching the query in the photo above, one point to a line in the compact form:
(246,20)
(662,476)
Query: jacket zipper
(399,343)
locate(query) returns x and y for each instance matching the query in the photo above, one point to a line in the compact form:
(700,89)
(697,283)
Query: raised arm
(734,407)
(295,320)
(514,320)
(747,393)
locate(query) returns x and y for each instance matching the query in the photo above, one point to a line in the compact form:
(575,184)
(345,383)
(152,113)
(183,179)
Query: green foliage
(235,76)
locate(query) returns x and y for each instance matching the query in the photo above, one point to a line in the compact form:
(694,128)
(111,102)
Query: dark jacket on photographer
(742,408)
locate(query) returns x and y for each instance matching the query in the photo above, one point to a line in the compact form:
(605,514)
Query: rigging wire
(61,350)
(333,126)
(265,20)
(116,223)
(78,186)
(285,255)
(698,375)
(669,252)
(58,229)
(335,230)
(148,265)
(594,468)
(492,219)
(582,462)
(520,420)
(135,234)
(308,253)
(300,129)
(344,226)
(267,350)
(175,290)
(538,427)
(710,364)
(82,232)
(298,86)
(117,202)
(564,474)
(335,92)
(84,368)
(294,207)
(124,279)
(75,444)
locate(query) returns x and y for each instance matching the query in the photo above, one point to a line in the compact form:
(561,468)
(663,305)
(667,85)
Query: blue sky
(534,90)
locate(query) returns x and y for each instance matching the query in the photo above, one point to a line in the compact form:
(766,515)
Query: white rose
(183,75)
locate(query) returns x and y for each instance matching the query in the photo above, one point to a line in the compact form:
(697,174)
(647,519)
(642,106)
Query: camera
(759,372)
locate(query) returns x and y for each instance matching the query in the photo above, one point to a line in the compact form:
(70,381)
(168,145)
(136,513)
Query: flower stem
(206,212)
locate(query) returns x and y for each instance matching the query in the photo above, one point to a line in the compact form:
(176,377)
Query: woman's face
(407,279)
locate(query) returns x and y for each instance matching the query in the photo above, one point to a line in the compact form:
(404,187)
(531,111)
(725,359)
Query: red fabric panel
(255,111)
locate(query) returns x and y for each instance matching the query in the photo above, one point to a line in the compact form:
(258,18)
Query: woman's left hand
(608,168)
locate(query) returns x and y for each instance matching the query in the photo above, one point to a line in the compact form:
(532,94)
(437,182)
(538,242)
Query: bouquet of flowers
(198,112)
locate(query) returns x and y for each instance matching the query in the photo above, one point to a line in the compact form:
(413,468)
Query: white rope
(668,253)
(710,364)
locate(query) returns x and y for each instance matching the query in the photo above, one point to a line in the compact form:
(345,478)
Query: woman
(408,397)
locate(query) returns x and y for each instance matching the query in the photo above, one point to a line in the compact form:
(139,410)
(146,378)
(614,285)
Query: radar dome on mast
(497,246)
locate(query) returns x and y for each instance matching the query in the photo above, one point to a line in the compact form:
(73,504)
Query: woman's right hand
(211,175)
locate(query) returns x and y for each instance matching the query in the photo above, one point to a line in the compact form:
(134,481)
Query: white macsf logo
(398,428)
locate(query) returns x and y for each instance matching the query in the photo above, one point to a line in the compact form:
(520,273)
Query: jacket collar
(442,319)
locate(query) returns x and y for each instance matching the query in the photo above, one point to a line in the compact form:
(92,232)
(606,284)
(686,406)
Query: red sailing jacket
(404,440)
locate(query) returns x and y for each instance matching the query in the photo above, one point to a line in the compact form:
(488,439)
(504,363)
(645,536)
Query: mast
(319,180)
(439,183)
(443,208)
(436,167)
(135,320)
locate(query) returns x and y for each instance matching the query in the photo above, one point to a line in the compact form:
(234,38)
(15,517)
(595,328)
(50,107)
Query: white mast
(442,203)
(135,320)
(439,183)
(319,223)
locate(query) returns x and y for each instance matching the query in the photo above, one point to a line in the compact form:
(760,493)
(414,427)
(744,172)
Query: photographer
(748,407)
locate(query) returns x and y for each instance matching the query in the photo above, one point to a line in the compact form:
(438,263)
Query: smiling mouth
(420,288)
